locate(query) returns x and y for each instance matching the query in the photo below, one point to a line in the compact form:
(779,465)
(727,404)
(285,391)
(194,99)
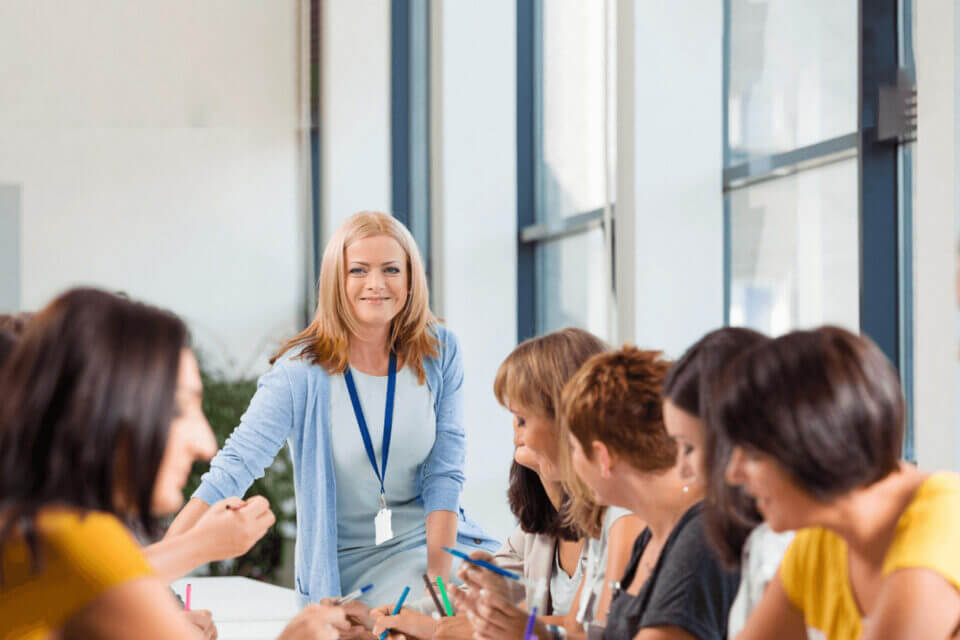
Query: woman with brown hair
(561,566)
(369,400)
(674,587)
(733,524)
(815,423)
(530,384)
(100,423)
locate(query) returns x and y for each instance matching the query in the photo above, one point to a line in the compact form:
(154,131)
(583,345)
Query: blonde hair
(533,377)
(412,332)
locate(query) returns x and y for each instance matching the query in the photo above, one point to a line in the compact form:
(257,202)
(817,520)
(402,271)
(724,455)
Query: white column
(355,120)
(669,176)
(938,198)
(474,205)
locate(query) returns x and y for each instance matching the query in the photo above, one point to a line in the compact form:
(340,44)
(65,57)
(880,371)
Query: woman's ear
(603,457)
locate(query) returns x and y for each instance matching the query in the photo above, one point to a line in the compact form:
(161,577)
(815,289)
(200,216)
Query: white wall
(156,147)
(355,126)
(938,204)
(474,206)
(669,178)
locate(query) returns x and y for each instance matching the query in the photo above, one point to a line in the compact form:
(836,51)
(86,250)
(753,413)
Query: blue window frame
(410,119)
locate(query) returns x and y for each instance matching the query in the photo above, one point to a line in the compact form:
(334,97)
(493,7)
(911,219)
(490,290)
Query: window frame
(410,121)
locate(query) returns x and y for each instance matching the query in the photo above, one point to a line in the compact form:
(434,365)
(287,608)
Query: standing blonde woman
(369,400)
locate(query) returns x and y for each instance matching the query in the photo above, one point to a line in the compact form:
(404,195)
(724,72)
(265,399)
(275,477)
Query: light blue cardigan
(292,405)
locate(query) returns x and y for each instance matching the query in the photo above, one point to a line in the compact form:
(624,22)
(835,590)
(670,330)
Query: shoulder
(689,531)
(928,530)
(612,515)
(447,342)
(449,360)
(688,547)
(763,551)
(294,373)
(815,556)
(293,365)
(937,498)
(93,548)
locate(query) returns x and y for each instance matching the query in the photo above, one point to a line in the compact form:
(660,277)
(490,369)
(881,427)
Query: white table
(243,609)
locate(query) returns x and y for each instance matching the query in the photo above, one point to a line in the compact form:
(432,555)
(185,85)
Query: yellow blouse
(83,556)
(815,573)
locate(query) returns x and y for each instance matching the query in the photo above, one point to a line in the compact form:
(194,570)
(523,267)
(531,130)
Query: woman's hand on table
(406,624)
(202,620)
(232,526)
(453,628)
(317,622)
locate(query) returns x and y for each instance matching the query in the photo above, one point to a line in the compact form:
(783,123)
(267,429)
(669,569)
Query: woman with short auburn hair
(815,423)
(674,587)
(369,400)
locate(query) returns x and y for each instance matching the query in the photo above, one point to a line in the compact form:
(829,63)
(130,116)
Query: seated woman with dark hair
(815,421)
(733,524)
(100,423)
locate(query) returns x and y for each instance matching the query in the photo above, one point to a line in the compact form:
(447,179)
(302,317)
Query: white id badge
(383,525)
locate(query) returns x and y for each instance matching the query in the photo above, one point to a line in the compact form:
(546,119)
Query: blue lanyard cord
(387,419)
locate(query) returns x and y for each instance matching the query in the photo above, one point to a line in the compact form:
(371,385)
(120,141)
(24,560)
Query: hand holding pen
(382,626)
(479,576)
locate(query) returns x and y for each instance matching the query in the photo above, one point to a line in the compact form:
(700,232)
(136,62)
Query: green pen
(443,594)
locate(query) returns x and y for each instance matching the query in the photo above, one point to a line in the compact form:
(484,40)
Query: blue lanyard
(387,420)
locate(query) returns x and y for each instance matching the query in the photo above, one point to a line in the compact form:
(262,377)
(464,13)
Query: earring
(686,488)
(604,471)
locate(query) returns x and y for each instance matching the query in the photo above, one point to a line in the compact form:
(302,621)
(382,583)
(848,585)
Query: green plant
(223,403)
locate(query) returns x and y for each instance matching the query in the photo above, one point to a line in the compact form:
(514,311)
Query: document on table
(242,609)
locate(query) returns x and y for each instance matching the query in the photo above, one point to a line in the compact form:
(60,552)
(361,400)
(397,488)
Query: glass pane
(572,166)
(572,283)
(792,74)
(795,251)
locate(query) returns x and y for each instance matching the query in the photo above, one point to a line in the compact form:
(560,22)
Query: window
(565,108)
(791,177)
(818,165)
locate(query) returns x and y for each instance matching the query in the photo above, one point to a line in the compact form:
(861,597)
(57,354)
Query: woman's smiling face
(783,504)
(376,279)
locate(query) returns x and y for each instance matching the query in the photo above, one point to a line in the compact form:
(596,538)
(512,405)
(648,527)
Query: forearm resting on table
(441,532)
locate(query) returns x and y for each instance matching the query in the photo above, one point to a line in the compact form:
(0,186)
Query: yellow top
(815,574)
(82,556)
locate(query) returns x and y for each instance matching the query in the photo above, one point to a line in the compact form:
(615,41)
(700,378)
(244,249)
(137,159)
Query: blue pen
(396,610)
(486,565)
